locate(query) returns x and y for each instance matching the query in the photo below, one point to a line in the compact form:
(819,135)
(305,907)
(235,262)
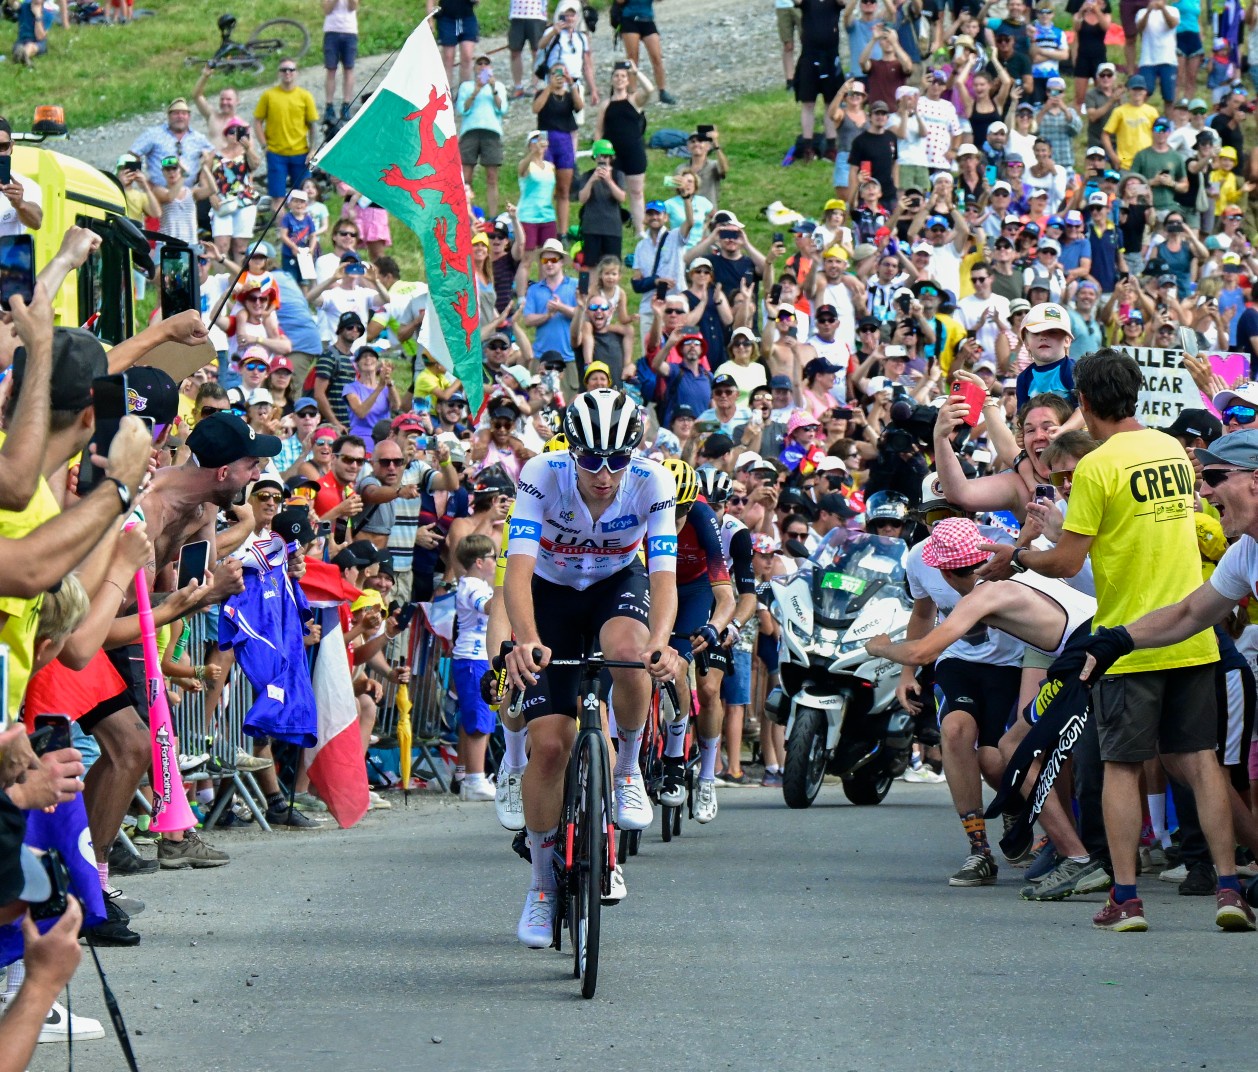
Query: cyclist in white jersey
(579,520)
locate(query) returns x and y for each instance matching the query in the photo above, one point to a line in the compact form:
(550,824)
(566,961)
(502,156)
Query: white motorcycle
(838,704)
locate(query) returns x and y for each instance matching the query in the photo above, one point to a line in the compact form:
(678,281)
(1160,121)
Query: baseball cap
(834,204)
(878,106)
(1019,305)
(684,410)
(998,128)
(1098,198)
(717,445)
(1197,105)
(1095,150)
(263,249)
(937,221)
(227,439)
(749,459)
(1246,392)
(152,393)
(1198,423)
(655,206)
(280,362)
(128,160)
(77,359)
(305,402)
(1049,243)
(781,383)
(1161,125)
(1106,68)
(259,396)
(1047,316)
(1038,193)
(1228,152)
(522,375)
(724,380)
(953,544)
(406,422)
(1181,103)
(1013,158)
(292,524)
(1074,218)
(863,251)
(1239,449)
(831,463)
(817,366)
(799,227)
(834,503)
(1000,186)
(909,91)
(1056,82)
(968,149)
(1137,82)
(1110,175)
(703,262)
(762,543)
(1134,317)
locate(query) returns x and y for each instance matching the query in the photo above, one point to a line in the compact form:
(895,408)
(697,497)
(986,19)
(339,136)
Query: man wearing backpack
(656,259)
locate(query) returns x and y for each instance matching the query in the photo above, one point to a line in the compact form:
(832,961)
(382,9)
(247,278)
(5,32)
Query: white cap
(1051,243)
(1095,150)
(1098,198)
(829,463)
(907,91)
(879,383)
(1247,392)
(922,247)
(553,245)
(1002,185)
(259,396)
(1106,67)
(1047,316)
(989,365)
(1011,218)
(699,262)
(968,150)
(998,126)
(749,459)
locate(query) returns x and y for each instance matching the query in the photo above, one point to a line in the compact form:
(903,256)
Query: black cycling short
(641,27)
(988,694)
(568,622)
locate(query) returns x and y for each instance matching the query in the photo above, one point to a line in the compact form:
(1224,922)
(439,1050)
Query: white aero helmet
(604,421)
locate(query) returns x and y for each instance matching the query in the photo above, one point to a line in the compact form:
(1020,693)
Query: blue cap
(1161,124)
(1112,175)
(1032,228)
(1137,82)
(655,206)
(781,383)
(937,221)
(1055,221)
(1238,449)
(305,402)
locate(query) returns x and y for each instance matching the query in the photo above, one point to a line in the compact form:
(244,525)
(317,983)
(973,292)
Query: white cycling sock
(675,742)
(515,754)
(1157,817)
(542,847)
(709,748)
(627,750)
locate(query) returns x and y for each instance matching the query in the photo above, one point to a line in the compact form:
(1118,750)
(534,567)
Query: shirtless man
(491,503)
(217,121)
(1040,611)
(180,507)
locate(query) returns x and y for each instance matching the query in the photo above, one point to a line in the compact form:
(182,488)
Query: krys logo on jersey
(619,524)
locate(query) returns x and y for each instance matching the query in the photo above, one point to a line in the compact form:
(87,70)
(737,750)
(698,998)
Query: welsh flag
(401,151)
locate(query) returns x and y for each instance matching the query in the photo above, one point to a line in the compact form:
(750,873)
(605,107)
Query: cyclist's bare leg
(622,639)
(711,715)
(550,743)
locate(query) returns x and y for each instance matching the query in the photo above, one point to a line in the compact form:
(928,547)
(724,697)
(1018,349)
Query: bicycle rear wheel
(280,37)
(589,860)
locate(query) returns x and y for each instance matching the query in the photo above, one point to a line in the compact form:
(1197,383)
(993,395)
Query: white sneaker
(376,801)
(536,928)
(476,790)
(1174,874)
(508,801)
(633,807)
(923,775)
(617,892)
(59,1024)
(191,761)
(705,801)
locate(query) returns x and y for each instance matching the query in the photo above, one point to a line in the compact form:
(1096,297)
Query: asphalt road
(819,939)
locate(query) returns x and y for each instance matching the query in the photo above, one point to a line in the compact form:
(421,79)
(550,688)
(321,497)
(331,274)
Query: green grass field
(101,73)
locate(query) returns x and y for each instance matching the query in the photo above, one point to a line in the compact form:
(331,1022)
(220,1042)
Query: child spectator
(297,235)
(478,556)
(1221,72)
(1046,331)
(1231,189)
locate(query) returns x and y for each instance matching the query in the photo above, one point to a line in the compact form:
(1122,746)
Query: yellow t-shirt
(432,378)
(286,115)
(954,334)
(1134,496)
(22,615)
(1132,130)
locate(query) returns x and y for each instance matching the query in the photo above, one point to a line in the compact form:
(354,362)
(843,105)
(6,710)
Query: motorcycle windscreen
(863,565)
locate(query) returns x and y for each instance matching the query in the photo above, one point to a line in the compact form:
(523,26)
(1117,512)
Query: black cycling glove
(1107,646)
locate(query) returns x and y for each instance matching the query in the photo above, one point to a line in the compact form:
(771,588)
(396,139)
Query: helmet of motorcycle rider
(886,506)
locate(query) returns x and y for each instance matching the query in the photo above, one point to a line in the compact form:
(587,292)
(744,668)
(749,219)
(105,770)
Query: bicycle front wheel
(589,861)
(280,37)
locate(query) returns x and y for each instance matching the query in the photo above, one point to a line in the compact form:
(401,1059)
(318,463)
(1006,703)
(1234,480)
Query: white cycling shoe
(705,801)
(673,789)
(633,806)
(508,801)
(617,892)
(536,928)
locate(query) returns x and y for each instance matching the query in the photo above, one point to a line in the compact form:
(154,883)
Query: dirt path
(714,50)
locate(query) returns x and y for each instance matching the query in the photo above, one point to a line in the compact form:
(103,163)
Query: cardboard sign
(1168,386)
(180,361)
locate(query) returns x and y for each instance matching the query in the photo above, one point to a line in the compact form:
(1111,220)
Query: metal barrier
(221,733)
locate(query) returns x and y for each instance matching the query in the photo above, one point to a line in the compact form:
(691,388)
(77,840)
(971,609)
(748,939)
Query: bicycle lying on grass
(274,39)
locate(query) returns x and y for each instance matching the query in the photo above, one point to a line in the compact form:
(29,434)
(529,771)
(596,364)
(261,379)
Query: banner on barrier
(1168,386)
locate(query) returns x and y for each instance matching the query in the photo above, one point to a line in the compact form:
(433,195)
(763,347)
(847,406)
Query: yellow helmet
(556,442)
(686,479)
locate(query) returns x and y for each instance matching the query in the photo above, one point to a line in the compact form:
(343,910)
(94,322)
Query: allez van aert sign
(1168,386)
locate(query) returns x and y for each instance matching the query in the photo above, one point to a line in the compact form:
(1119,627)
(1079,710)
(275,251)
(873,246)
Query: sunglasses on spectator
(738,344)
(796,534)
(504,424)
(209,411)
(593,463)
(307,412)
(390,462)
(496,345)
(1061,479)
(254,366)
(932,517)
(738,500)
(324,441)
(869,329)
(700,271)
(288,70)
(347,459)
(346,234)
(1214,477)
(786,314)
(827,320)
(599,307)
(268,496)
(1239,414)
(979,278)
(551,260)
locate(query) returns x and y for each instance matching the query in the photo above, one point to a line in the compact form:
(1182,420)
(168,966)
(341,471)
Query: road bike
(585,845)
(276,38)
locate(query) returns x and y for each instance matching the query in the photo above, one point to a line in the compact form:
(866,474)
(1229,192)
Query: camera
(59,879)
(904,303)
